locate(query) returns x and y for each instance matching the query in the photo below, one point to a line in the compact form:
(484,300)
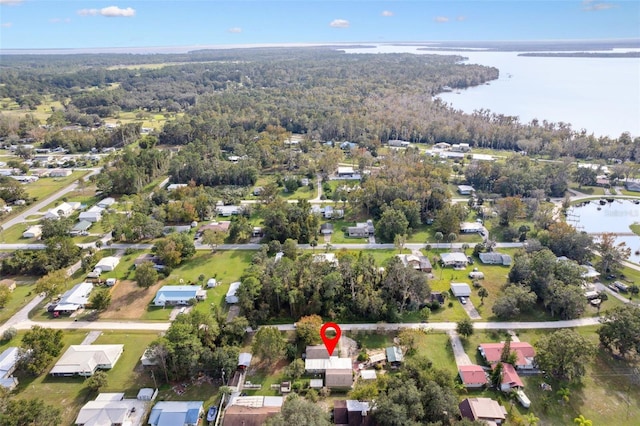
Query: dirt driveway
(128,301)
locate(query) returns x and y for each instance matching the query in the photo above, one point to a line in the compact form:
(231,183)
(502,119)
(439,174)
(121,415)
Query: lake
(612,217)
(600,95)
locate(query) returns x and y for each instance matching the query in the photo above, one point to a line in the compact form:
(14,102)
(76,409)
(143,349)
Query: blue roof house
(178,295)
(176,413)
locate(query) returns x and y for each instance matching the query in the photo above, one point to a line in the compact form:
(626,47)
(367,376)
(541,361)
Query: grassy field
(22,294)
(590,190)
(44,187)
(13,235)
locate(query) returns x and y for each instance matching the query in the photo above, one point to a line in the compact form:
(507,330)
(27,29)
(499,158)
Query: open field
(13,235)
(47,186)
(128,301)
(590,190)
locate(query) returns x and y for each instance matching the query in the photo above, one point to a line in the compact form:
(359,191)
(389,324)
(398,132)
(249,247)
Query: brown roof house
(338,378)
(483,409)
(251,410)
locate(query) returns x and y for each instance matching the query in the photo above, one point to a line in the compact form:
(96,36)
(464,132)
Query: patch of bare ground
(128,301)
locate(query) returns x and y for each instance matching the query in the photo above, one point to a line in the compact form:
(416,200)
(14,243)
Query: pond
(616,217)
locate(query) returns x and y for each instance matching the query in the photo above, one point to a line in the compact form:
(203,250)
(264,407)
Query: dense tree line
(132,170)
(296,286)
(60,252)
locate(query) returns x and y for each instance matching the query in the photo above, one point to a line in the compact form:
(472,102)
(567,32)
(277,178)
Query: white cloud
(11,2)
(235,30)
(88,12)
(461,18)
(109,12)
(387,13)
(6,24)
(591,5)
(339,23)
(115,11)
(441,19)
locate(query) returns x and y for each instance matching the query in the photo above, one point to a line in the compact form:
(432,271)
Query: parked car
(212,413)
(463,300)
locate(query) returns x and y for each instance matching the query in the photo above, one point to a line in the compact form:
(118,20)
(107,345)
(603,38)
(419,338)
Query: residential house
(326,229)
(471,227)
(228,211)
(8,364)
(510,378)
(231,297)
(442,145)
(257,232)
(34,231)
(326,258)
(632,185)
(398,143)
(460,147)
(62,210)
(321,365)
(460,289)
(176,413)
(105,203)
(394,356)
(112,409)
(93,214)
(416,260)
(437,296)
(85,360)
(451,155)
(148,257)
(8,283)
(362,229)
(42,159)
(465,190)
(457,260)
(107,264)
(495,258)
(80,228)
(339,378)
(75,298)
(212,282)
(60,173)
(345,172)
(472,376)
(491,352)
(215,227)
(352,413)
(169,295)
(368,375)
(316,352)
(251,410)
(328,212)
(483,409)
(174,186)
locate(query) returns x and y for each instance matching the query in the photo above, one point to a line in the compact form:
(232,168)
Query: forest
(231,96)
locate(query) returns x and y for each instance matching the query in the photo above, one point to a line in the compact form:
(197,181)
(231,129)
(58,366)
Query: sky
(51,24)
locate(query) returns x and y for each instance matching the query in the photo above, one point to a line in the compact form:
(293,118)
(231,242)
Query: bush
(9,334)
(312,395)
(129,251)
(434,306)
(450,304)
(325,392)
(363,356)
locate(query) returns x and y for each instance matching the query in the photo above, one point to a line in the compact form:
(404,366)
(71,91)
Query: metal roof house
(394,355)
(8,363)
(231,297)
(75,298)
(178,295)
(112,409)
(80,227)
(176,413)
(457,260)
(244,359)
(460,289)
(108,263)
(84,360)
(94,214)
(495,258)
(106,202)
(472,376)
(34,231)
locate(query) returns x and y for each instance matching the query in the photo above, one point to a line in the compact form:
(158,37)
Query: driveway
(471,310)
(458,350)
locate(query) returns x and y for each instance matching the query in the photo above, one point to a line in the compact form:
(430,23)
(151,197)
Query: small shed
(316,384)
(34,231)
(108,263)
(212,282)
(8,283)
(147,394)
(368,375)
(394,355)
(460,289)
(326,229)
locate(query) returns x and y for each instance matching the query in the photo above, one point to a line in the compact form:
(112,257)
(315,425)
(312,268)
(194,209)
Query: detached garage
(460,289)
(108,263)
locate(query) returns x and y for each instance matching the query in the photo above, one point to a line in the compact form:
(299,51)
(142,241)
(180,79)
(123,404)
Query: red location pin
(330,343)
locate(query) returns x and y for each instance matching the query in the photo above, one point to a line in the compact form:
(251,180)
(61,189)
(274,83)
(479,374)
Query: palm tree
(465,247)
(582,421)
(313,243)
(531,419)
(603,296)
(451,238)
(564,393)
(438,236)
(483,292)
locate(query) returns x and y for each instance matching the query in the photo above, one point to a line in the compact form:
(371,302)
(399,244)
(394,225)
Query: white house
(108,263)
(228,211)
(34,231)
(75,298)
(456,260)
(212,282)
(176,413)
(231,297)
(465,190)
(471,227)
(60,173)
(62,210)
(106,202)
(93,215)
(85,360)
(398,143)
(178,295)
(175,186)
(320,365)
(112,409)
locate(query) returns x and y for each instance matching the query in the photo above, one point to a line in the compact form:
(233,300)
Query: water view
(600,95)
(615,217)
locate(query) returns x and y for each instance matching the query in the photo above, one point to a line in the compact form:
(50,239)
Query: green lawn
(302,193)
(13,235)
(86,197)
(371,340)
(437,348)
(590,190)
(23,293)
(44,187)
